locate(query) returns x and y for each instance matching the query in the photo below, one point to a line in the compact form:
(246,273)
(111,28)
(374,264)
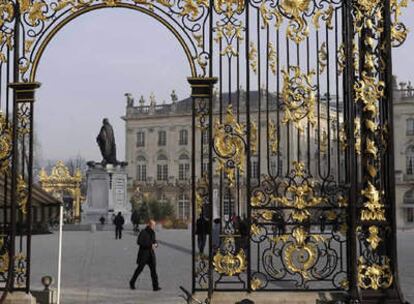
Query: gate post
(377,275)
(202,187)
(22,180)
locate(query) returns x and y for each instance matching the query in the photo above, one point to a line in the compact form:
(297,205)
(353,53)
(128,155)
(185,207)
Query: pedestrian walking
(146,255)
(202,230)
(119,222)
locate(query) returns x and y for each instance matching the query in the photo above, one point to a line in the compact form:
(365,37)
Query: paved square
(96,267)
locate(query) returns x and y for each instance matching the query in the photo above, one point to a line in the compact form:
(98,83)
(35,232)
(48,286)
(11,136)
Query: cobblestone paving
(96,267)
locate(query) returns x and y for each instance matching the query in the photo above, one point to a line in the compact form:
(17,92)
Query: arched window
(162,168)
(141,169)
(183,137)
(410,126)
(410,160)
(408,204)
(183,167)
(183,206)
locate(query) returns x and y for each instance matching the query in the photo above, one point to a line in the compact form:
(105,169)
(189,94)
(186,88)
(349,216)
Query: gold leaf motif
(299,196)
(357,135)
(343,138)
(256,284)
(374,276)
(298,96)
(373,238)
(373,208)
(229,146)
(272,57)
(253,57)
(323,58)
(229,7)
(229,264)
(272,135)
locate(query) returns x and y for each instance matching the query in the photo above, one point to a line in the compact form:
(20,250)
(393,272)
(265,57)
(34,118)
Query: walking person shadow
(146,255)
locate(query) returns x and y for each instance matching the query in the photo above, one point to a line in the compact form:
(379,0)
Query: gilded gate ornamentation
(291,153)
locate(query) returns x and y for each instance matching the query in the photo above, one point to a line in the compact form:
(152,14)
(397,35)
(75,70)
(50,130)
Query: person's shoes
(132,286)
(157,289)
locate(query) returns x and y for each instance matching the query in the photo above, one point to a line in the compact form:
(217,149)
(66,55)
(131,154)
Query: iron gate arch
(298,137)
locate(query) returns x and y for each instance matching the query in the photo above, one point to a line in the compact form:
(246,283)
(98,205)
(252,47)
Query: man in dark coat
(202,229)
(119,222)
(146,255)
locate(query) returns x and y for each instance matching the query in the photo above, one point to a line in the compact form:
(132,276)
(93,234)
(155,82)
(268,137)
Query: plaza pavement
(96,267)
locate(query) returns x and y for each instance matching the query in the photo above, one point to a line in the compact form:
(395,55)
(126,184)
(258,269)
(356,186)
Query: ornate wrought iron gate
(292,158)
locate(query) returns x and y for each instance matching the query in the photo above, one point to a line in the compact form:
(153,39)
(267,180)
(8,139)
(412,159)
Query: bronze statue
(106,143)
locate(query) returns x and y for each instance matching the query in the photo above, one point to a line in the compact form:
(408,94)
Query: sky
(91,63)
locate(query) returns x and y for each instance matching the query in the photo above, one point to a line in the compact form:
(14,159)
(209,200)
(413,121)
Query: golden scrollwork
(253,57)
(373,207)
(343,138)
(191,7)
(229,145)
(5,143)
(298,97)
(6,12)
(271,51)
(229,32)
(273,138)
(368,91)
(341,62)
(22,194)
(201,191)
(399,31)
(230,264)
(374,276)
(326,15)
(373,239)
(254,139)
(256,284)
(298,28)
(323,58)
(299,196)
(229,7)
(357,135)
(301,255)
(257,199)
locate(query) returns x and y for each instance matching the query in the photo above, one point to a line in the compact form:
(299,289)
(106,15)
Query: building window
(183,137)
(410,126)
(183,207)
(140,139)
(410,160)
(205,137)
(141,169)
(162,168)
(183,167)
(255,169)
(162,138)
(408,203)
(228,205)
(205,169)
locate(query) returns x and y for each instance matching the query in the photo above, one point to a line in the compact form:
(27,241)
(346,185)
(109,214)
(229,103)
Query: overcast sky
(92,62)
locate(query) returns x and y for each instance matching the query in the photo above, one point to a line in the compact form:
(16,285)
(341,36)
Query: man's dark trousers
(151,264)
(118,232)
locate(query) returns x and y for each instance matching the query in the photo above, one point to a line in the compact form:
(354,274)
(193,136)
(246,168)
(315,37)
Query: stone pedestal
(106,193)
(19,298)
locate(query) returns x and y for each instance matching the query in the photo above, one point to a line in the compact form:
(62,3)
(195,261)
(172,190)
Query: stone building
(404,153)
(158,148)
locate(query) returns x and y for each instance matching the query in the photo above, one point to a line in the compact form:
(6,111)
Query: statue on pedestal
(106,143)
